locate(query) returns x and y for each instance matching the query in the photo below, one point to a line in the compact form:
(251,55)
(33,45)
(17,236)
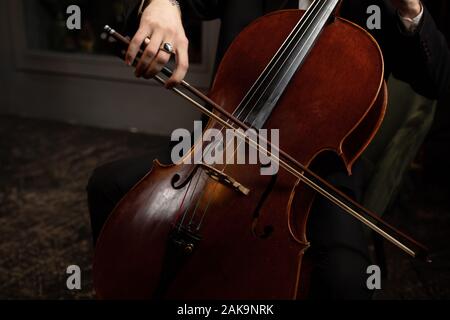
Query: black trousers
(339,248)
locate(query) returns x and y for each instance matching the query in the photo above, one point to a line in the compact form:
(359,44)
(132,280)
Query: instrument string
(258,84)
(292,166)
(316,13)
(280,54)
(300,51)
(313,181)
(273,78)
(244,104)
(180,225)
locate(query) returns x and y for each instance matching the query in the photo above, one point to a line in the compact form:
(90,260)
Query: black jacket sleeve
(197,9)
(422,59)
(201,9)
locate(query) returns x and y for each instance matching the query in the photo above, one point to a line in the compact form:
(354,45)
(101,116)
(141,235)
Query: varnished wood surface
(40,242)
(339,85)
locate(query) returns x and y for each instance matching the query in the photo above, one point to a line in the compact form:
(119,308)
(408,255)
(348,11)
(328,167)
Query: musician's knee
(103,194)
(341,273)
(102,183)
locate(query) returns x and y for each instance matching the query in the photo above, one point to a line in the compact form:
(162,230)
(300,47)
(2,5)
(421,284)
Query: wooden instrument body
(335,102)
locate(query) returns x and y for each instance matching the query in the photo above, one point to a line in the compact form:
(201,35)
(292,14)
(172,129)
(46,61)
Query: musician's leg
(110,182)
(339,247)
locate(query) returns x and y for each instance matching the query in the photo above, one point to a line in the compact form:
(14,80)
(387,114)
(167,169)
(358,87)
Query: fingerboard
(262,98)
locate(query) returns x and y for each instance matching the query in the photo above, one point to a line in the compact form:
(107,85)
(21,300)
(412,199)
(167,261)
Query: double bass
(196,231)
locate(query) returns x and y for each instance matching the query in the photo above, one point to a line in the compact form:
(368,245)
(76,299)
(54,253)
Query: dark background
(437,146)
(45,165)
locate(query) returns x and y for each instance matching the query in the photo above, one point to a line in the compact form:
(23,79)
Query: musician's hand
(161,22)
(408,8)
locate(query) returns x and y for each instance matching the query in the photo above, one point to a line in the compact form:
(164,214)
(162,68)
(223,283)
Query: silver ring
(168,48)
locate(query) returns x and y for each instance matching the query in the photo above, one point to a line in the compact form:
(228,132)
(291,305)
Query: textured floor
(44,226)
(424,212)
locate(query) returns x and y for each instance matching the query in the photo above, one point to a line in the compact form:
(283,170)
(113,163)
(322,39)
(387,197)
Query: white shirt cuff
(412,24)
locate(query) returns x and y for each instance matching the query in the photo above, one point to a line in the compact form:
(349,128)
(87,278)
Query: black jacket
(422,59)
